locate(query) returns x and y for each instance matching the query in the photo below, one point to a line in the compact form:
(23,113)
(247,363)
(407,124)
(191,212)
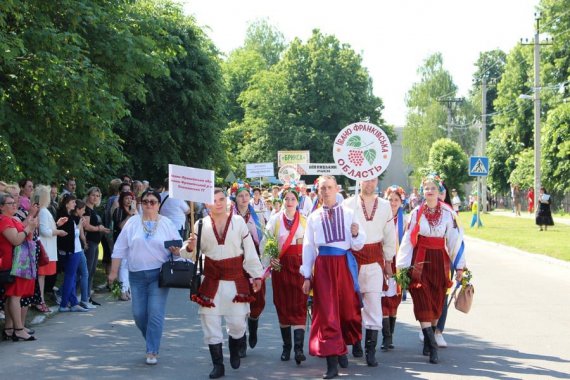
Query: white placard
(191,184)
(318,169)
(264,169)
(288,173)
(362,151)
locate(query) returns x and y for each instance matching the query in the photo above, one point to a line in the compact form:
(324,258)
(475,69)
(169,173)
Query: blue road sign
(478,166)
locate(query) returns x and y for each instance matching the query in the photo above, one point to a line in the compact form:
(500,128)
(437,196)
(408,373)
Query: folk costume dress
(255,230)
(225,289)
(430,244)
(288,297)
(380,246)
(390,304)
(328,262)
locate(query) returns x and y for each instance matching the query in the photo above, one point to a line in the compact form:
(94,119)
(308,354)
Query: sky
(394,37)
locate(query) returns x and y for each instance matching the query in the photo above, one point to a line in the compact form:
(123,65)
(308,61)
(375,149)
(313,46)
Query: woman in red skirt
(430,244)
(288,228)
(12,234)
(395,195)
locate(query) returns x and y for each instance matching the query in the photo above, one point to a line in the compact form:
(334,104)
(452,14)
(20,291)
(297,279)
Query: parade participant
(288,228)
(455,200)
(395,195)
(258,205)
(305,202)
(141,242)
(241,197)
(332,231)
(374,261)
(229,253)
(430,244)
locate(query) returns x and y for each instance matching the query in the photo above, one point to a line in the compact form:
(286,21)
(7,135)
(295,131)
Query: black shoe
(243,346)
(286,336)
(218,361)
(234,351)
(252,324)
(17,338)
(5,335)
(386,336)
(357,350)
(94,302)
(392,327)
(299,338)
(371,339)
(343,361)
(332,367)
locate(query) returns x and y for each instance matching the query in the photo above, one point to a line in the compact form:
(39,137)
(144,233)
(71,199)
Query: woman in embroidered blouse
(141,242)
(288,227)
(390,302)
(431,243)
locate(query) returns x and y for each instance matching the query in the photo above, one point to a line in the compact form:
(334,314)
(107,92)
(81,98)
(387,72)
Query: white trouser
(371,280)
(212,327)
(124,276)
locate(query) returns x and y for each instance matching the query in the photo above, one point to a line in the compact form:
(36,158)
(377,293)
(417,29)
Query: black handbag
(178,274)
(6,277)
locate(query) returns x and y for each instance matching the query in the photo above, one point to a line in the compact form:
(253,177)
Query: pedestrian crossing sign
(478,166)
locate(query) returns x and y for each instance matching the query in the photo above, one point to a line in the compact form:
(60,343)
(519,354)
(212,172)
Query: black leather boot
(357,349)
(392,327)
(243,346)
(386,336)
(343,361)
(252,324)
(286,336)
(234,351)
(370,346)
(218,361)
(429,337)
(299,340)
(332,367)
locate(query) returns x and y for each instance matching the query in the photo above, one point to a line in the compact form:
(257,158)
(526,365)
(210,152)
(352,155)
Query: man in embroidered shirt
(375,215)
(229,251)
(332,231)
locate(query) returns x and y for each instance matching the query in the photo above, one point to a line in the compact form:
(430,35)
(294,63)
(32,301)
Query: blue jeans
(149,306)
(474,221)
(68,297)
(83,276)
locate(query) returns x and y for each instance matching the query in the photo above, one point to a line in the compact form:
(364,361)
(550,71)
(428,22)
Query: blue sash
(400,224)
(256,222)
(456,261)
(325,250)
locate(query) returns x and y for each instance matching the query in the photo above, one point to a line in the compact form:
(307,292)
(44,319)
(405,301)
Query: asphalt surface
(518,328)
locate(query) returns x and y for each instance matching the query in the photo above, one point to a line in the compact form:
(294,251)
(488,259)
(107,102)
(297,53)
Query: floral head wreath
(397,190)
(432,178)
(291,187)
(238,187)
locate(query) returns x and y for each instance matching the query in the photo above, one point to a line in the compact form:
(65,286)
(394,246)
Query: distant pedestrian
(474,211)
(544,215)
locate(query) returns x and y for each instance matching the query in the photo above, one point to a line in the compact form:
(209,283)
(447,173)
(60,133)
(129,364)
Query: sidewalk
(526,215)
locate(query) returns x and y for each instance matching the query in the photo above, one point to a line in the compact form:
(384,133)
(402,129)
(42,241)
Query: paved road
(519,328)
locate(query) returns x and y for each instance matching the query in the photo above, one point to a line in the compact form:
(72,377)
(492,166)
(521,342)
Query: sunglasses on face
(151,202)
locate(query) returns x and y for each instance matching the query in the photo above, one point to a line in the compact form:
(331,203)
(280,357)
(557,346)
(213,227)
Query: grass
(521,233)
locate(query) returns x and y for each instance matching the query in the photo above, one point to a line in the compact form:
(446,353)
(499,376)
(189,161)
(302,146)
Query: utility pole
(483,190)
(537,145)
(449,102)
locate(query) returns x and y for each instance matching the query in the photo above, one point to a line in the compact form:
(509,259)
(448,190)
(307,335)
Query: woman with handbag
(431,242)
(288,228)
(141,242)
(13,234)
(48,237)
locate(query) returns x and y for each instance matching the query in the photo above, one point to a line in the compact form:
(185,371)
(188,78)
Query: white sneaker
(421,336)
(151,360)
(87,305)
(440,341)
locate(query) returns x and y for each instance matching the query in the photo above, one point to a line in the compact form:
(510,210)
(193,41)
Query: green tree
(265,39)
(523,173)
(556,150)
(427,116)
(447,158)
(303,101)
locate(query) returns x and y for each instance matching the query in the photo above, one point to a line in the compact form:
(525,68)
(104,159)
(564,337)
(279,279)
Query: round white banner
(288,173)
(362,151)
